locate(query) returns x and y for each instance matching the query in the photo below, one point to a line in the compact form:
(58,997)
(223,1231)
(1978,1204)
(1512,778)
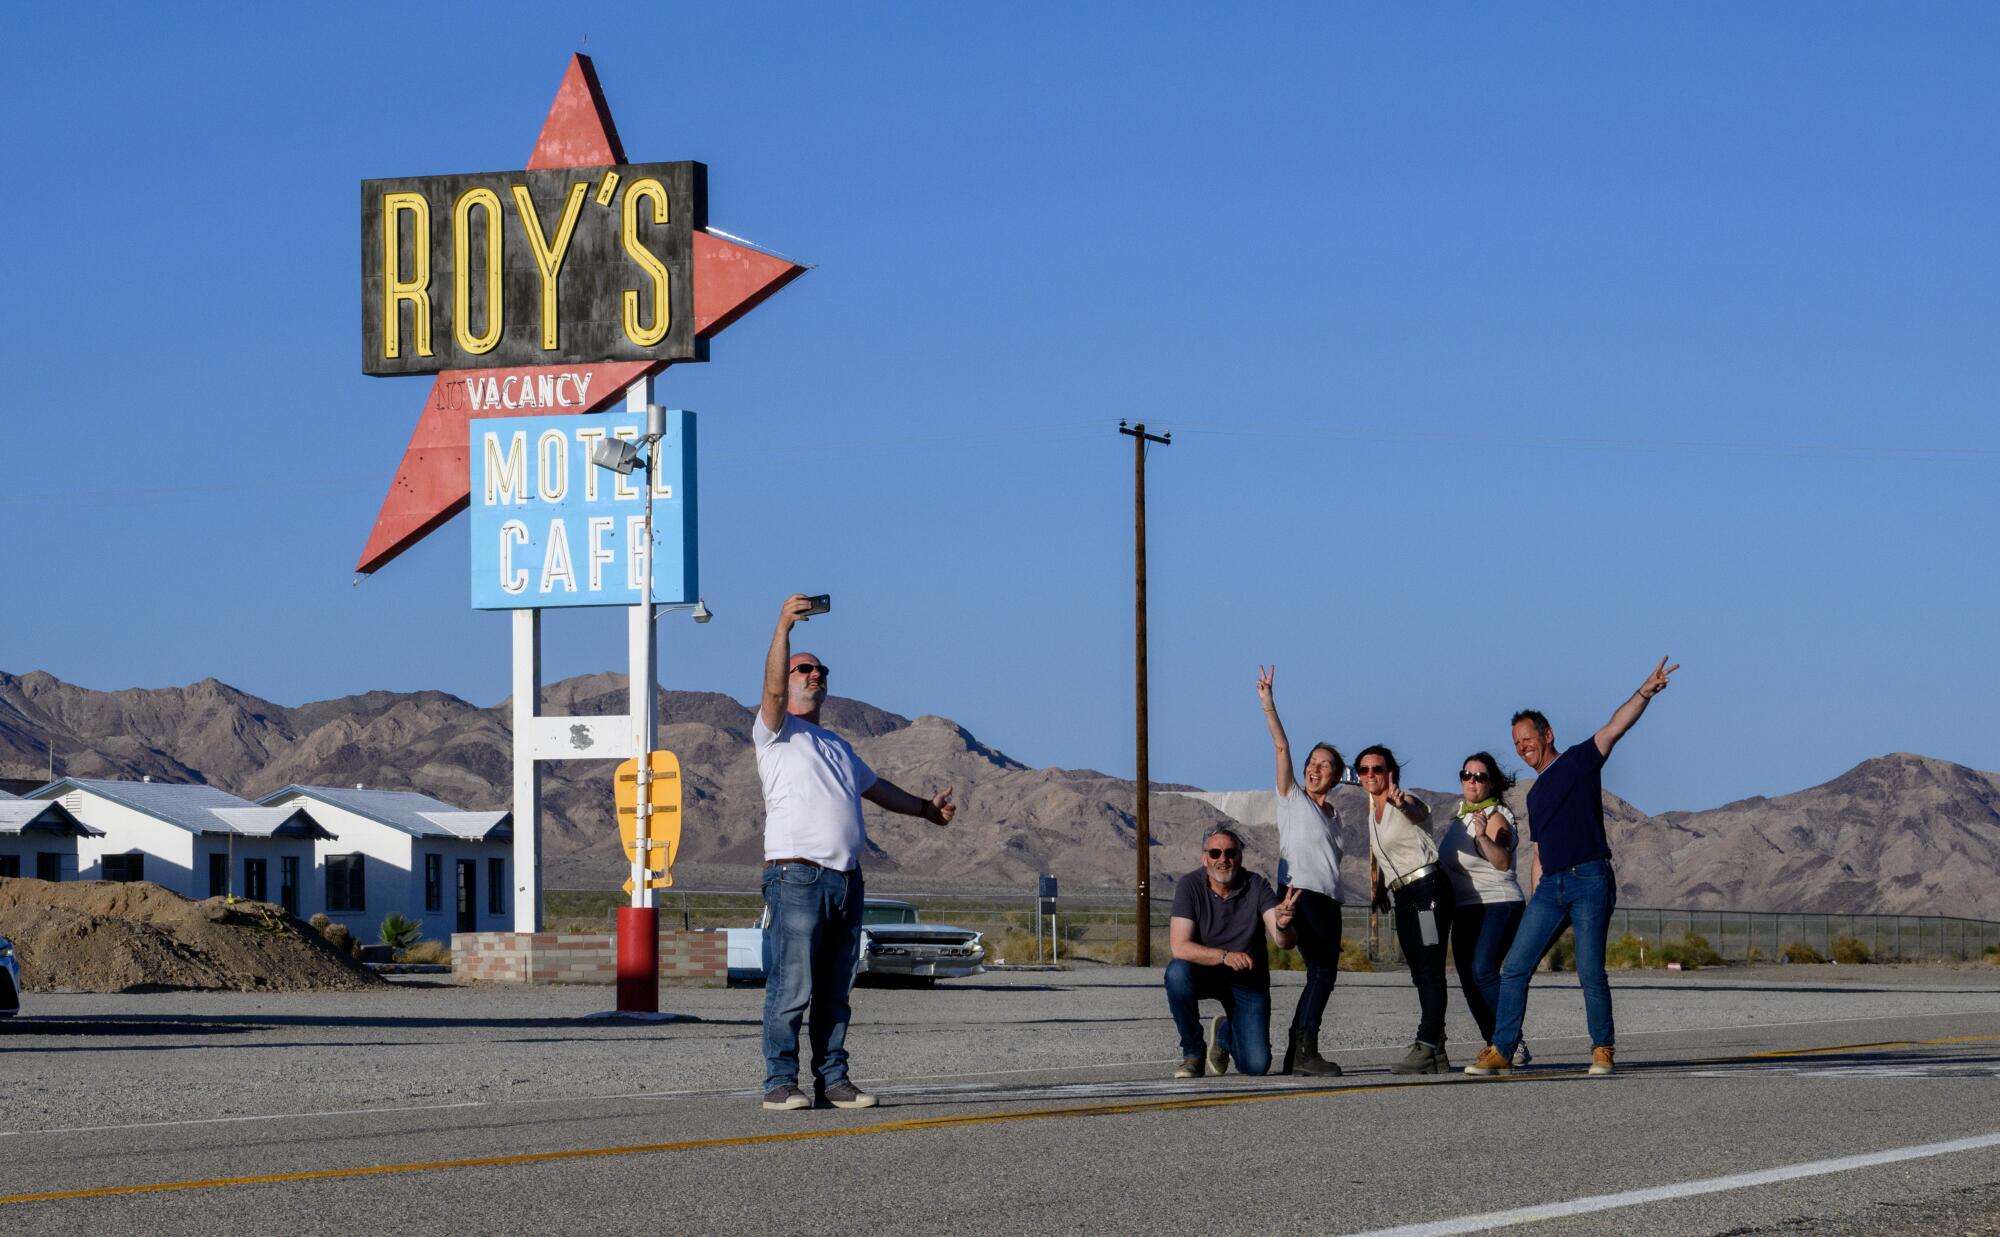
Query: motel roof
(196,808)
(19,816)
(410,811)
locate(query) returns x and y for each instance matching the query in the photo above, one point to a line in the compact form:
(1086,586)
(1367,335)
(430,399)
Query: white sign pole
(643,678)
(527,774)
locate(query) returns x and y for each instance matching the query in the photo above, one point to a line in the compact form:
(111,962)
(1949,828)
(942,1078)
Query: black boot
(1291,1052)
(1305,1059)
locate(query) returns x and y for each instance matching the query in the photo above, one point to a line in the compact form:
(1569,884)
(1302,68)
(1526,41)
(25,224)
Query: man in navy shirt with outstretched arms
(1574,882)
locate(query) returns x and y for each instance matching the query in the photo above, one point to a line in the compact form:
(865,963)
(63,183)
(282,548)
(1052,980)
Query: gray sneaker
(786,1099)
(1218,1044)
(1422,1058)
(844,1094)
(1521,1054)
(1190,1067)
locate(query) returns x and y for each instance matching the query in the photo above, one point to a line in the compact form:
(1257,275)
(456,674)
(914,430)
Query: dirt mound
(105,936)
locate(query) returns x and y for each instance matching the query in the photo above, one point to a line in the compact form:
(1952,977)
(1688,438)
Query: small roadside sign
(663,823)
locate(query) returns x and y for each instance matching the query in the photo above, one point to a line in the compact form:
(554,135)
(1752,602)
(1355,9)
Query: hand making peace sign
(1287,908)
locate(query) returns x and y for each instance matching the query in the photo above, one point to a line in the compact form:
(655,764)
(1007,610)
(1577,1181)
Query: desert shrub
(1692,951)
(1993,954)
(428,952)
(1012,946)
(1851,951)
(1756,954)
(338,936)
(1069,929)
(1112,953)
(319,923)
(1283,959)
(1354,957)
(1629,951)
(1799,951)
(399,931)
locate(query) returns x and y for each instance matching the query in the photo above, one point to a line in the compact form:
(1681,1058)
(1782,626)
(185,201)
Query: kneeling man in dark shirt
(1222,918)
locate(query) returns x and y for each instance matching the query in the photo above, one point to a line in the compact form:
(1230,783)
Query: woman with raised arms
(1309,862)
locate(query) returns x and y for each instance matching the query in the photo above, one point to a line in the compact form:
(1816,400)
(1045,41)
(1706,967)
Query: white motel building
(351,854)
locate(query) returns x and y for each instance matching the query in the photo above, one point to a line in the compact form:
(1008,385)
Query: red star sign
(433,483)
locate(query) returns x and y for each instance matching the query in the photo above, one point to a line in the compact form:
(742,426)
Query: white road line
(1684,1189)
(269,1116)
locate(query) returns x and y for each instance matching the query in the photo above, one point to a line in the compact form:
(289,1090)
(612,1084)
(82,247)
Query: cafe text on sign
(538,267)
(549,528)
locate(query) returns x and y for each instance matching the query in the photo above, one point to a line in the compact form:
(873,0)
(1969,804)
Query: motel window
(496,886)
(346,886)
(127,868)
(10,865)
(218,875)
(48,865)
(433,882)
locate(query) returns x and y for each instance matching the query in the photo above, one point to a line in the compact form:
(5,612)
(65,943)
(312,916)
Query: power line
(1474,438)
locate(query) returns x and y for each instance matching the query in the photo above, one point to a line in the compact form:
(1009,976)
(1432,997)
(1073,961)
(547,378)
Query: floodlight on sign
(616,454)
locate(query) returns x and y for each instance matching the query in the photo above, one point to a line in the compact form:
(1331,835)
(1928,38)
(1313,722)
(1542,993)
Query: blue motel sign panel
(550,528)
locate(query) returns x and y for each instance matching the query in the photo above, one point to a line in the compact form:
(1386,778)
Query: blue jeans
(1583,897)
(1245,997)
(1481,933)
(810,949)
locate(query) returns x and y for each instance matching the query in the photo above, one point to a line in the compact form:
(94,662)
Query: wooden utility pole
(1143,945)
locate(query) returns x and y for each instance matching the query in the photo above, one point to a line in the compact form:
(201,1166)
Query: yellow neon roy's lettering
(549,257)
(513,270)
(396,288)
(663,313)
(461,271)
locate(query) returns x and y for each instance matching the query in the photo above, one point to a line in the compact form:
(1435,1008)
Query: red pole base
(638,960)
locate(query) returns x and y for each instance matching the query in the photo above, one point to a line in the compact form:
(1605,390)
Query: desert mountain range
(1899,833)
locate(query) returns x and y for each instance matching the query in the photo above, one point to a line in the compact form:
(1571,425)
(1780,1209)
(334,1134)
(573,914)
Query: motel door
(468,895)
(288,884)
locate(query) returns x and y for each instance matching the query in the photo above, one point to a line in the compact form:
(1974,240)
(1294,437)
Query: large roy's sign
(549,528)
(538,267)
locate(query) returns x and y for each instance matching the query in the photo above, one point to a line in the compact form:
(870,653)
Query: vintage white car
(10,980)
(895,942)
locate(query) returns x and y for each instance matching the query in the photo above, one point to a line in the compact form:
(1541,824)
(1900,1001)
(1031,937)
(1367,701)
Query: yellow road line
(1895,1043)
(883,1127)
(697,1144)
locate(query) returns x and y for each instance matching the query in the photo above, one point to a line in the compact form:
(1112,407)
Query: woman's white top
(1308,843)
(1473,879)
(1401,845)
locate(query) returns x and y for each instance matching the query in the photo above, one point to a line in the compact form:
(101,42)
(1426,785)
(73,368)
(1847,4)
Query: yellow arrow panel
(664,822)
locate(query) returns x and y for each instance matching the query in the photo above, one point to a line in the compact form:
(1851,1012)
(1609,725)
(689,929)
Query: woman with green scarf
(1477,855)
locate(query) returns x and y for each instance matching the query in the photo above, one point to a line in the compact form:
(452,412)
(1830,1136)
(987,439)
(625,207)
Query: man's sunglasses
(807,667)
(1229,852)
(1467,775)
(1372,770)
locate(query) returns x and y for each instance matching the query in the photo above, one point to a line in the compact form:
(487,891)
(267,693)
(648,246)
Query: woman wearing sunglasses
(1403,868)
(1477,854)
(1308,862)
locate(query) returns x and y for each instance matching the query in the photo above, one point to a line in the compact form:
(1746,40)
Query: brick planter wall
(698,959)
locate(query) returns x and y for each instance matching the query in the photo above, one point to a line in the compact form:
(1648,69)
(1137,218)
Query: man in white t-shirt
(813,839)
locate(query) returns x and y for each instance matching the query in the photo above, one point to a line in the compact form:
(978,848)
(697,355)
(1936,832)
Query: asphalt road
(1780,1099)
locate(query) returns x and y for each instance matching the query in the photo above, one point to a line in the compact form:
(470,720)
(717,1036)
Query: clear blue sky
(1505,349)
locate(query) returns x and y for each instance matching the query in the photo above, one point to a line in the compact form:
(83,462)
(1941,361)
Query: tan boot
(1600,1059)
(1490,1063)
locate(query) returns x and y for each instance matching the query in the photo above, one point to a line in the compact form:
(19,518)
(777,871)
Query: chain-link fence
(1101,925)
